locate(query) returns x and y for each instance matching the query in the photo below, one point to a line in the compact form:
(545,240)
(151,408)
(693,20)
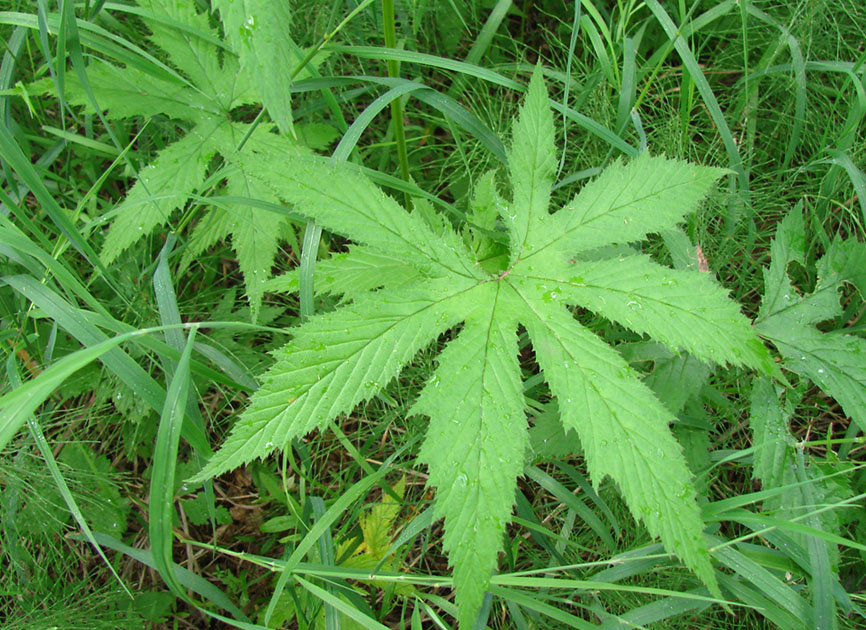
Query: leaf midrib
(691,313)
(385,228)
(613,209)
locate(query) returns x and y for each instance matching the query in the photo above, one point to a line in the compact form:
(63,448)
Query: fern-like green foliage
(418,278)
(207,82)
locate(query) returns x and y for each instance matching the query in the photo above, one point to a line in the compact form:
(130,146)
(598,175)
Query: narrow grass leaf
(350,611)
(13,237)
(339,506)
(161,502)
(747,595)
(774,589)
(11,153)
(855,174)
(121,364)
(588,27)
(821,556)
(561,492)
(657,611)
(169,314)
(353,134)
(583,121)
(533,603)
(488,31)
(798,64)
(101,40)
(735,160)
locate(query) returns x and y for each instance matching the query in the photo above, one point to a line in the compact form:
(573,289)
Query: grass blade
(332,600)
(186,578)
(124,367)
(318,530)
(161,503)
(11,153)
(735,160)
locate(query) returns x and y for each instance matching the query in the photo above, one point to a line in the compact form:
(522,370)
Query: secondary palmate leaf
(412,277)
(195,56)
(163,186)
(209,84)
(134,93)
(259,31)
(835,360)
(788,246)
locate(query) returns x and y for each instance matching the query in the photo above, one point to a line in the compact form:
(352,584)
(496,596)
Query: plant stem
(396,104)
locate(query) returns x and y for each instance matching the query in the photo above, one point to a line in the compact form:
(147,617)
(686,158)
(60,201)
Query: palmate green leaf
(163,186)
(626,202)
(346,203)
(835,360)
(127,92)
(477,440)
(531,167)
(681,309)
(350,274)
(259,31)
(211,83)
(196,57)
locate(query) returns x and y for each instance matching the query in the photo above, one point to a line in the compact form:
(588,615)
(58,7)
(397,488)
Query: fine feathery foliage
(483,290)
(208,83)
